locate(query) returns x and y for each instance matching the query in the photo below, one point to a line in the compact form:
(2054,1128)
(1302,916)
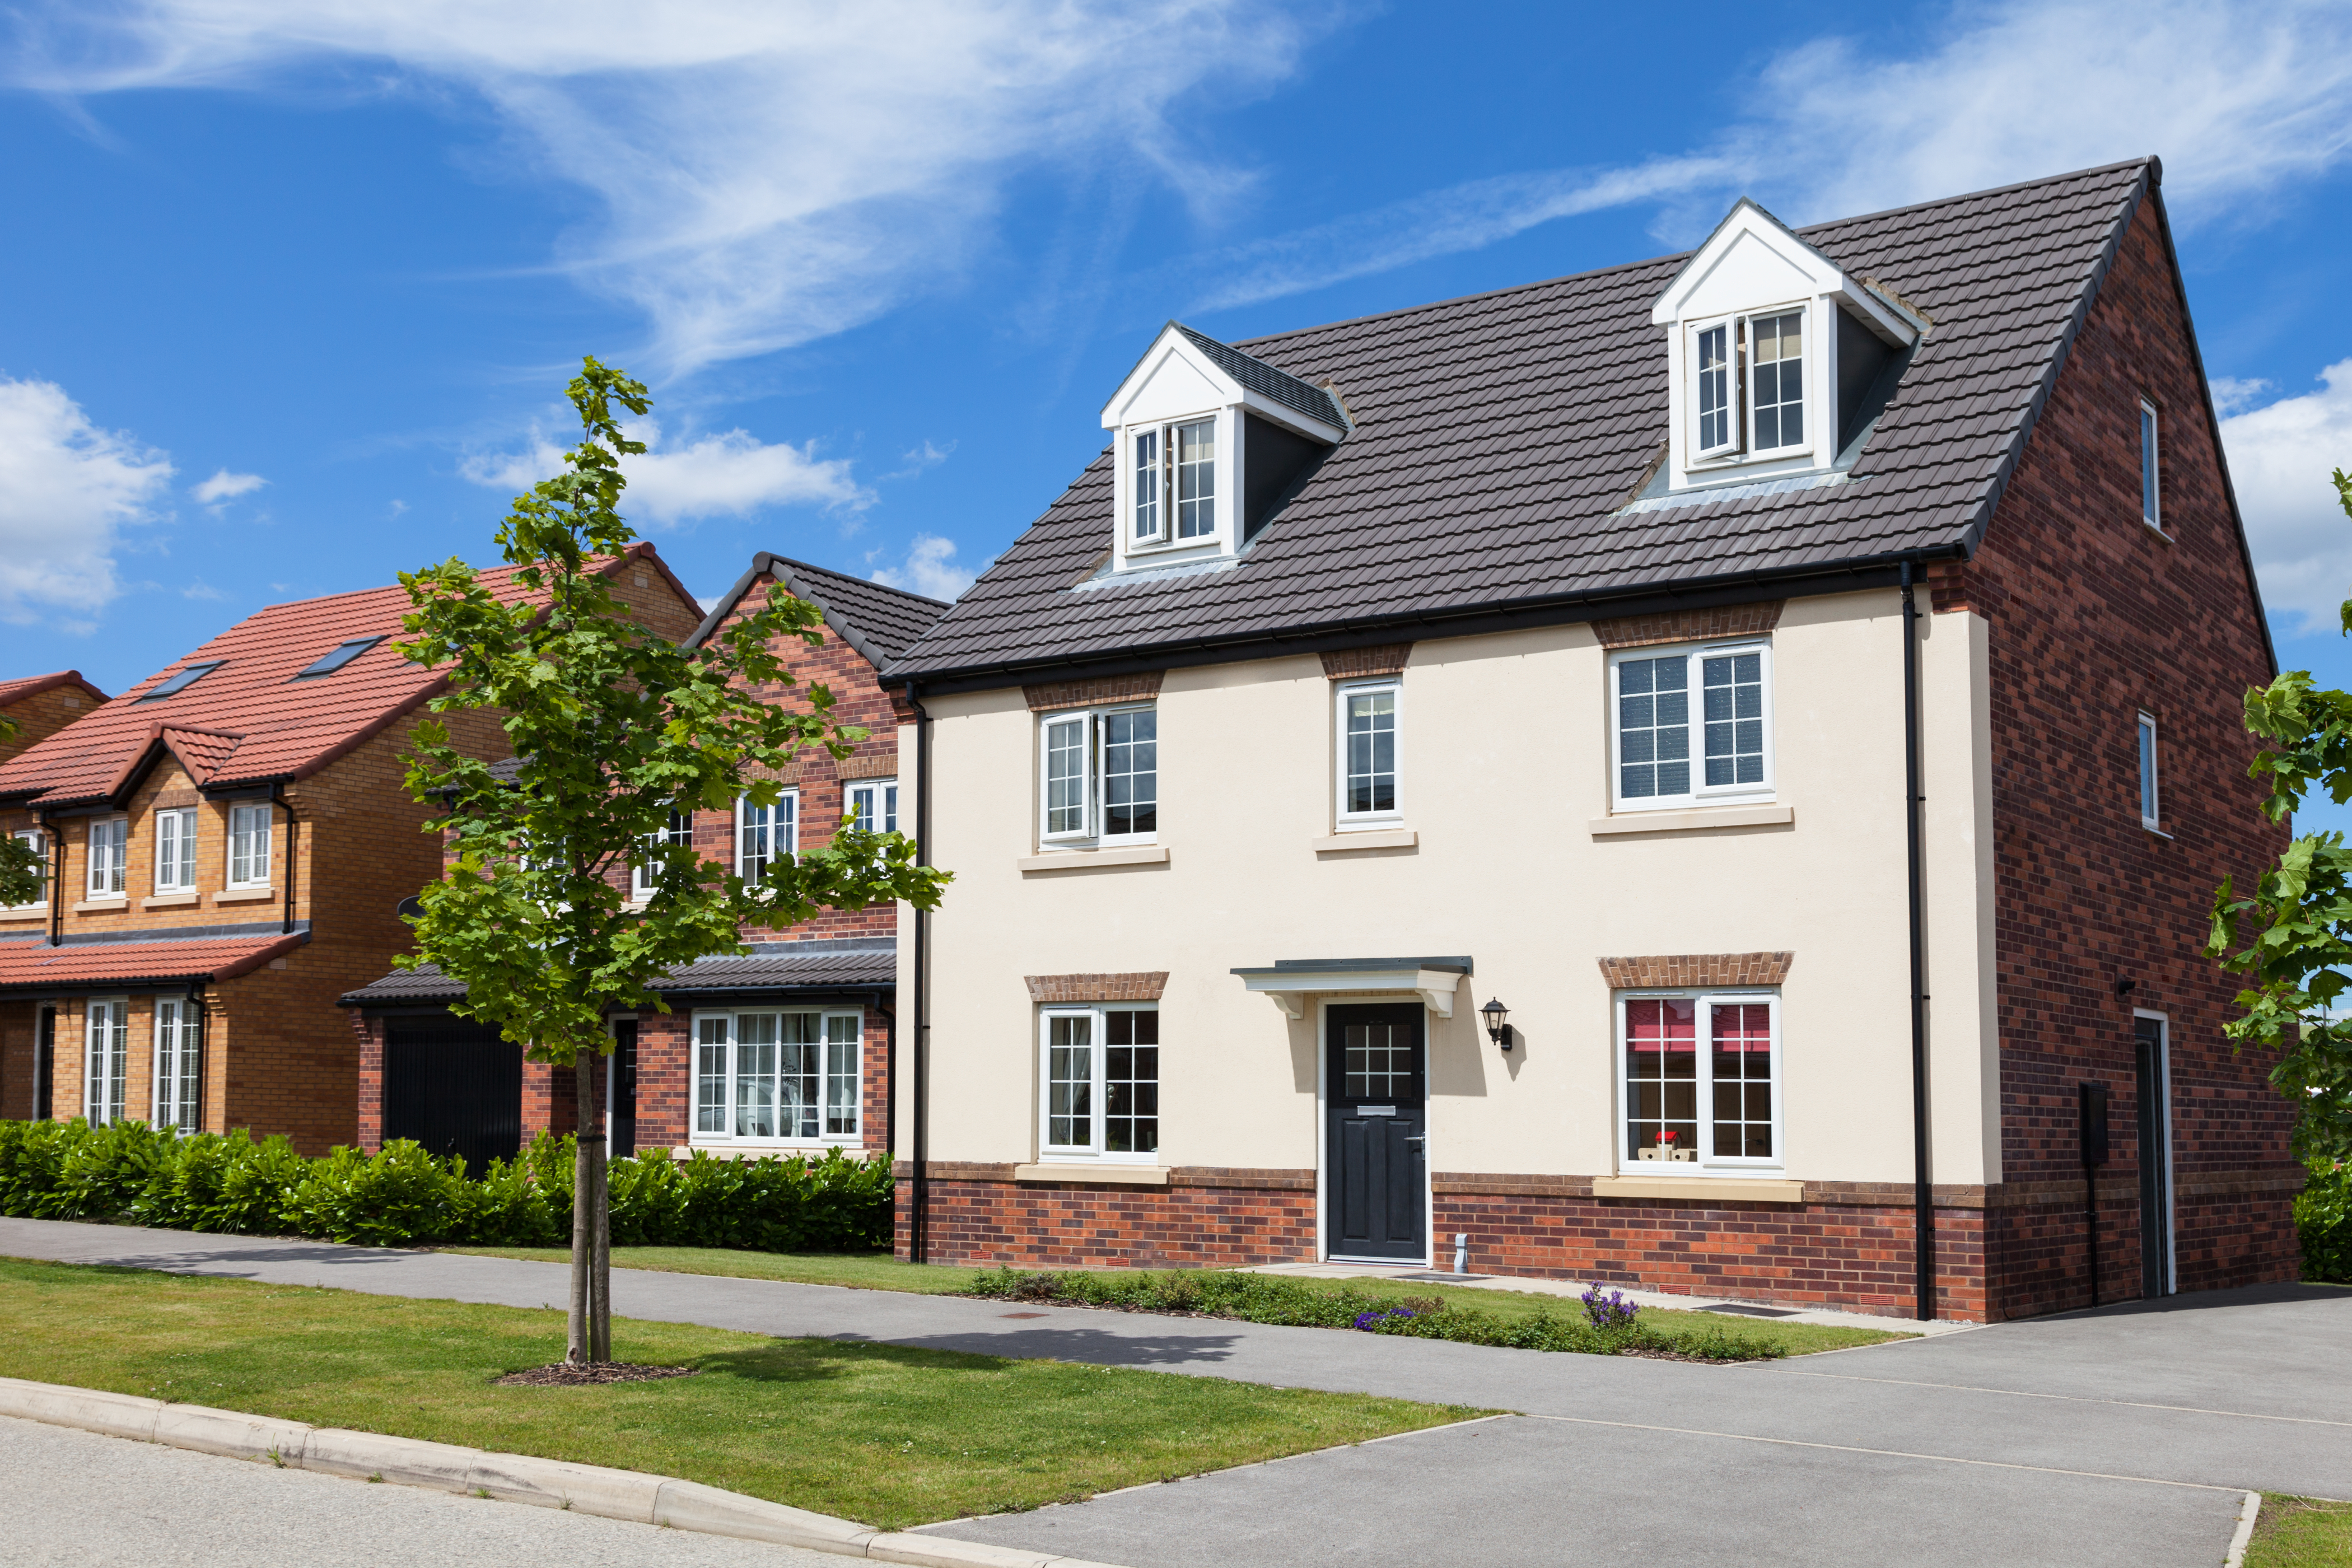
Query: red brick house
(230,843)
(786,1049)
(40,705)
(1795,686)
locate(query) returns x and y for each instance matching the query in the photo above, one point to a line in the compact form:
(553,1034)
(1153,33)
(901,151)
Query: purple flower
(1608,1309)
(1370,1322)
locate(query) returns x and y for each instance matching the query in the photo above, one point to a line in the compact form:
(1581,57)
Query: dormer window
(1779,354)
(1718,418)
(1175,478)
(1149,512)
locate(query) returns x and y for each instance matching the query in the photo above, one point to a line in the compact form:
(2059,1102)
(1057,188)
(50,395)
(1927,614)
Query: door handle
(1417,1137)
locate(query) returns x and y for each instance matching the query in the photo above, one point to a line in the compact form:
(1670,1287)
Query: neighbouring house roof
(28,964)
(34,685)
(1499,442)
(249,722)
(860,964)
(880,621)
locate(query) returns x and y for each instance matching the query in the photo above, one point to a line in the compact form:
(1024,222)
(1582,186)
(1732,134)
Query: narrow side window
(1194,450)
(2147,795)
(1067,772)
(108,844)
(1148,527)
(175,850)
(1367,752)
(1130,773)
(1712,388)
(2150,491)
(1776,356)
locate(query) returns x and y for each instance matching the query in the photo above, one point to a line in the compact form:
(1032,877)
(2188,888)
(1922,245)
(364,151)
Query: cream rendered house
(1449,775)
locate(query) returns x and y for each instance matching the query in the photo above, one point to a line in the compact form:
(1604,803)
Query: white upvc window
(248,846)
(110,843)
(106,1050)
(1699,1077)
(1172,482)
(2151,488)
(175,850)
(39,842)
(1099,770)
(793,1076)
(1715,388)
(176,1064)
(1691,726)
(873,803)
(765,833)
(1369,714)
(1747,383)
(1098,1083)
(675,838)
(2149,803)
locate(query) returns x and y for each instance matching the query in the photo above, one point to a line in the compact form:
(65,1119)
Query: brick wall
(41,715)
(1202,1218)
(2094,617)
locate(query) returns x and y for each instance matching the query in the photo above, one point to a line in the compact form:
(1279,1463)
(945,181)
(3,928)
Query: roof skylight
(182,680)
(340,656)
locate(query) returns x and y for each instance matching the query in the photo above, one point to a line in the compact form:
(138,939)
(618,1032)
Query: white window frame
(1736,445)
(1130,477)
(105,1059)
(260,849)
(782,825)
(110,857)
(884,794)
(1092,830)
(728,1109)
(175,850)
(2151,466)
(1806,362)
(2151,796)
(679,835)
(1393,686)
(39,840)
(178,1077)
(1700,792)
(1707,1162)
(1095,1149)
(1141,476)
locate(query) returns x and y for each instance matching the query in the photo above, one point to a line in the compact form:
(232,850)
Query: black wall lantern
(1498,1025)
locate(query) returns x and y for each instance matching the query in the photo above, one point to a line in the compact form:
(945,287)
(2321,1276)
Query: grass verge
(888,1436)
(2301,1532)
(880,1271)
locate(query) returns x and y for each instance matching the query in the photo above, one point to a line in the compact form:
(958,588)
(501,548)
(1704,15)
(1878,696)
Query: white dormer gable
(1204,436)
(1775,354)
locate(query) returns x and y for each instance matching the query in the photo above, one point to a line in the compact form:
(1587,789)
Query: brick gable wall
(2094,617)
(43,714)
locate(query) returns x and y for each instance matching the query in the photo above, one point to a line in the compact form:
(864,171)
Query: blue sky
(294,287)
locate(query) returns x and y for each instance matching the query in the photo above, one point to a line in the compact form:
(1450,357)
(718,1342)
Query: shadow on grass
(1090,1345)
(824,1360)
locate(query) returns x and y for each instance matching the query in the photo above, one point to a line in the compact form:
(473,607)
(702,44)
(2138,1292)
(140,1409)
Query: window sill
(244,895)
(759,1148)
(100,906)
(168,901)
(30,913)
(1708,1189)
(1083,860)
(1688,821)
(2154,832)
(1091,1174)
(1368,838)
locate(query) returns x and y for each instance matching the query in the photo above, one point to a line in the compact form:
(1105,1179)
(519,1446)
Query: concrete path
(75,1498)
(2124,1435)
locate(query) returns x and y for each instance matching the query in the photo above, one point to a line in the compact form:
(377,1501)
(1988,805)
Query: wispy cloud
(732,474)
(224,486)
(920,460)
(768,172)
(67,488)
(929,569)
(2280,457)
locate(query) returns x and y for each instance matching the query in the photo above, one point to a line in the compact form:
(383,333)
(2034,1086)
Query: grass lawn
(886,1436)
(880,1271)
(2301,1532)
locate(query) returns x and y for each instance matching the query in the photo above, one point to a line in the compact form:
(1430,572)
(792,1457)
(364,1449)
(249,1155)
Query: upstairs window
(1777,350)
(873,805)
(1148,514)
(1368,753)
(1101,775)
(1718,419)
(109,842)
(1175,478)
(181,681)
(38,841)
(1692,725)
(2150,492)
(175,850)
(676,837)
(764,832)
(249,846)
(2148,802)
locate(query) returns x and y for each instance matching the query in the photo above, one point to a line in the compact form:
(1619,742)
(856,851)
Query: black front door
(455,1086)
(621,1110)
(1376,1180)
(2155,1161)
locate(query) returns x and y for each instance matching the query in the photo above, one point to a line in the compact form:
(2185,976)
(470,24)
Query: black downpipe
(57,883)
(277,794)
(885,1006)
(1923,1197)
(196,1005)
(919,1191)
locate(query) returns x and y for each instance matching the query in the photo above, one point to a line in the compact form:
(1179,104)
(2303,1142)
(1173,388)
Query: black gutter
(918,1189)
(1922,1198)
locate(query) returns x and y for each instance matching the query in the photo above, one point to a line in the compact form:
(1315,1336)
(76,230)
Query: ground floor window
(1700,1078)
(176,1050)
(781,1074)
(107,1041)
(1100,1074)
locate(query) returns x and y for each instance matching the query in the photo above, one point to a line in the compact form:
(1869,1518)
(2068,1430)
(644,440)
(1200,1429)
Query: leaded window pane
(1654,727)
(1776,374)
(1733,702)
(1130,772)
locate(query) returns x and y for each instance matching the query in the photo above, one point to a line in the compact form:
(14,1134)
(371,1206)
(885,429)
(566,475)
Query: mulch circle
(573,1375)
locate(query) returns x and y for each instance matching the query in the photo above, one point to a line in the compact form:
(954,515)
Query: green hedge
(2323,1220)
(132,1175)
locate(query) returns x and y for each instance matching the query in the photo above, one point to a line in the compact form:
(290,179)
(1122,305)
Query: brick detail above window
(172,799)
(869,765)
(1355,663)
(1138,987)
(1696,971)
(1087,693)
(1689,626)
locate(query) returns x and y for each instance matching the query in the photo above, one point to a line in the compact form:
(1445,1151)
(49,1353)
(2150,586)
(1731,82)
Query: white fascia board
(1222,391)
(1809,273)
(1291,990)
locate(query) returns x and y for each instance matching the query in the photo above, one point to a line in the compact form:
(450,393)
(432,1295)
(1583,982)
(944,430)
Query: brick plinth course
(1202,1218)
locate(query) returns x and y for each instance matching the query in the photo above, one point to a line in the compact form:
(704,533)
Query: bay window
(1693,726)
(1100,1078)
(1699,1077)
(110,842)
(248,846)
(1100,770)
(790,1076)
(106,1043)
(175,850)
(765,833)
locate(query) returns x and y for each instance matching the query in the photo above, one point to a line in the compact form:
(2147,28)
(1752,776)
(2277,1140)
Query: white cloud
(929,569)
(732,474)
(225,486)
(2280,459)
(2237,98)
(66,490)
(200,589)
(2232,394)
(768,172)
(922,459)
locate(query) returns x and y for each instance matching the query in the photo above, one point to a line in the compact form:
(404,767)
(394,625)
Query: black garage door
(454,1085)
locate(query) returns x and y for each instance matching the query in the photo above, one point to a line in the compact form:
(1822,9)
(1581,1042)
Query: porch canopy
(1292,981)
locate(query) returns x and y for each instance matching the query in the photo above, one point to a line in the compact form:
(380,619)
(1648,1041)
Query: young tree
(2299,958)
(21,872)
(614,729)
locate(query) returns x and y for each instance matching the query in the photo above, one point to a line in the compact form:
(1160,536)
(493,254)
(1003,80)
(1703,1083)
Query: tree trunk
(578,1346)
(600,1282)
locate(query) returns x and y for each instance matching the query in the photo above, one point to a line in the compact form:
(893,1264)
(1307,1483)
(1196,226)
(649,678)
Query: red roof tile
(249,721)
(33,685)
(30,964)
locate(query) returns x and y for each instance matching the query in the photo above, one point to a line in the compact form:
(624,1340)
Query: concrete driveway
(2127,1435)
